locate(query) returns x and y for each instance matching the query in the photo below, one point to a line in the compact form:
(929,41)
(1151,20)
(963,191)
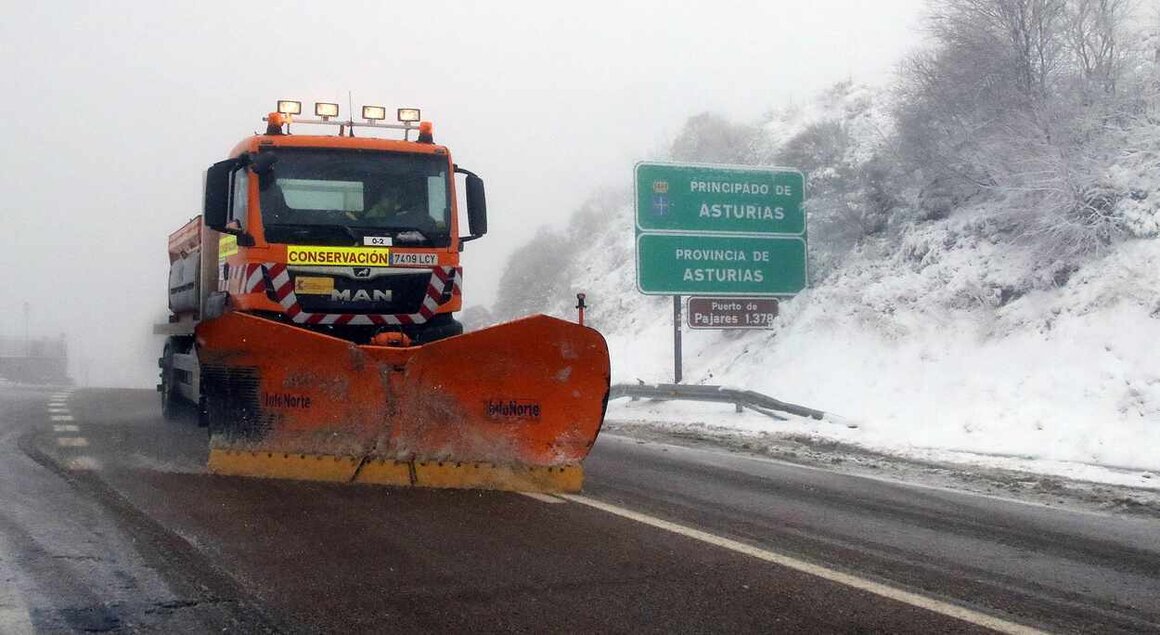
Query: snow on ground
(924,352)
(720,421)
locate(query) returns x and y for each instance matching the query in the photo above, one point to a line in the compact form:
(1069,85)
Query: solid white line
(15,620)
(66,428)
(14,616)
(62,417)
(906,597)
(543,498)
(72,442)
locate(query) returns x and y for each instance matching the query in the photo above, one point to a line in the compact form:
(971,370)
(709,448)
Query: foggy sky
(111,111)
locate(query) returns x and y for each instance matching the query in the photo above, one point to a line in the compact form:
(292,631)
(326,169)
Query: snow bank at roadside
(1068,374)
(754,431)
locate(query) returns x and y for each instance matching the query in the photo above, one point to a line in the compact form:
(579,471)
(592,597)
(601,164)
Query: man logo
(375,295)
(362,272)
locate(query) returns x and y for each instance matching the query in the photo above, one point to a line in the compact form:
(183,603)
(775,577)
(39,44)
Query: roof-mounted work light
(374,113)
(408,115)
(287,107)
(325,110)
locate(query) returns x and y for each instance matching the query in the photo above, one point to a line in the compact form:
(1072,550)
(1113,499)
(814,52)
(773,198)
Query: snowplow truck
(312,322)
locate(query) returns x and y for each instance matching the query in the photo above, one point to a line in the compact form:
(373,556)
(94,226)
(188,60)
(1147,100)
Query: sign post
(676,339)
(729,231)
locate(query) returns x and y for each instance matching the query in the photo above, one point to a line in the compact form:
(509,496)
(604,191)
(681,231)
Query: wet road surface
(73,558)
(249,555)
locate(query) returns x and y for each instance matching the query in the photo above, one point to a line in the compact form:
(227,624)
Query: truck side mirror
(217,193)
(263,163)
(476,206)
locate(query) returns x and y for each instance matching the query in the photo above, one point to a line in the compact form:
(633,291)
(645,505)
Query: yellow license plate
(313,285)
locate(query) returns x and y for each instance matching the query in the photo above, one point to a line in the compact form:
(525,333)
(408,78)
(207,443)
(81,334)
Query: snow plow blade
(513,407)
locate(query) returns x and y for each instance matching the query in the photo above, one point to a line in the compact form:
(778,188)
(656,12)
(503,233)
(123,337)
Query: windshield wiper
(396,231)
(350,232)
(392,230)
(356,233)
(306,229)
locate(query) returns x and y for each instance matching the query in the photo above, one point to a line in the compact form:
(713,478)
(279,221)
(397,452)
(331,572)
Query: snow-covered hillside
(939,335)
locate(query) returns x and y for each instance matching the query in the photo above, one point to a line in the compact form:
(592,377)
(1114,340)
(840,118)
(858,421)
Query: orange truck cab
(351,236)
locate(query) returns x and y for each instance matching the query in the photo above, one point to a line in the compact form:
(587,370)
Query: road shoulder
(799,449)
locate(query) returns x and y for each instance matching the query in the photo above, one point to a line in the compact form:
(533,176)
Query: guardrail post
(676,339)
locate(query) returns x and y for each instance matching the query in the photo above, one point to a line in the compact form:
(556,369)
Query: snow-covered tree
(1021,100)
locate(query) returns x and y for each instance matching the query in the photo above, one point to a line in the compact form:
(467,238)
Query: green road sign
(681,264)
(719,199)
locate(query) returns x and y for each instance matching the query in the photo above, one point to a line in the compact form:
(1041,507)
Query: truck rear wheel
(176,384)
(170,399)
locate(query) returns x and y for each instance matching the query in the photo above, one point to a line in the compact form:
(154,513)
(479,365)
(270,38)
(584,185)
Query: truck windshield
(341,196)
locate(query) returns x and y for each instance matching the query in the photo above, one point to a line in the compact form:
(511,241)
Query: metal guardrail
(739,398)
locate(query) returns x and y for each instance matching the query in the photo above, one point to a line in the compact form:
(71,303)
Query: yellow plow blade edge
(529,478)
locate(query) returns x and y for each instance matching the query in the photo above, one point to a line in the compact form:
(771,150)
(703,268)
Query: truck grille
(397,293)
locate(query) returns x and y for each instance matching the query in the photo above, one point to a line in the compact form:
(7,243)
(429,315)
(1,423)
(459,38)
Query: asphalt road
(75,558)
(717,542)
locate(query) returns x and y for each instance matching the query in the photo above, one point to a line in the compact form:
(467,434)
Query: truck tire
(170,399)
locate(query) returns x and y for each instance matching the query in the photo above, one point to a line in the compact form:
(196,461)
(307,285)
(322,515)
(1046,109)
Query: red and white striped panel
(275,275)
(254,278)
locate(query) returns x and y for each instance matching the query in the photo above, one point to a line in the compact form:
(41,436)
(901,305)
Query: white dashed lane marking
(82,463)
(72,442)
(58,414)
